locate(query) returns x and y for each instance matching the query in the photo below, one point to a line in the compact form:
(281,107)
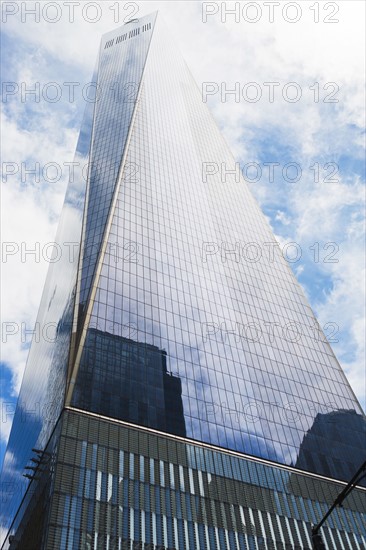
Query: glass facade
(118,487)
(127,379)
(256,371)
(181,316)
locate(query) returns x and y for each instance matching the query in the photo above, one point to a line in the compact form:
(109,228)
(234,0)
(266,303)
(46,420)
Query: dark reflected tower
(128,380)
(123,452)
(346,432)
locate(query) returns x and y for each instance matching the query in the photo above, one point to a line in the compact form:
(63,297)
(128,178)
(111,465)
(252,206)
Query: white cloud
(281,217)
(30,213)
(7,410)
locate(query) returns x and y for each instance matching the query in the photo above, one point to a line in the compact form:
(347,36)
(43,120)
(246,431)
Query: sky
(285,83)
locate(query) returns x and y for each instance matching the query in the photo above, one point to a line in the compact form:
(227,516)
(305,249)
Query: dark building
(182,402)
(128,380)
(347,432)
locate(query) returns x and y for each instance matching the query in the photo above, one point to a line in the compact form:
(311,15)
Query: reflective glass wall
(190,267)
(187,319)
(118,487)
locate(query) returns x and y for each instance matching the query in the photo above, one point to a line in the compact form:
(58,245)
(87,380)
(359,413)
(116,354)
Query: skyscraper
(185,397)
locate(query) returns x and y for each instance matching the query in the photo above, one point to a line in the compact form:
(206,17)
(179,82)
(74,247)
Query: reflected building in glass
(188,398)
